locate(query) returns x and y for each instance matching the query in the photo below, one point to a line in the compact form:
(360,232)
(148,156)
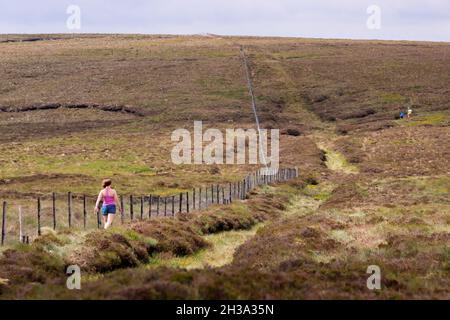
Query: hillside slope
(373,189)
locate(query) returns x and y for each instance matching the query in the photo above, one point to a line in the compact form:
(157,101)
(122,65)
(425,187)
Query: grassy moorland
(373,188)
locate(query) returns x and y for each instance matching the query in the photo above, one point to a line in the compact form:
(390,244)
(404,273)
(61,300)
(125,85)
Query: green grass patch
(336,161)
(220,253)
(436,119)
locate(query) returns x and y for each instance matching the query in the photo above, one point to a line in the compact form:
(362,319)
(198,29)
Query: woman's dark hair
(106,183)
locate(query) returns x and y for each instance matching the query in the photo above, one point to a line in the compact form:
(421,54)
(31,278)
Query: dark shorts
(108,209)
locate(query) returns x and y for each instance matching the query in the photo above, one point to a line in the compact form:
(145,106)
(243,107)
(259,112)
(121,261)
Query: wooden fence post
(69,208)
(230,191)
(239,189)
(99,223)
(54,210)
(212,193)
(165,206)
(247,184)
(142,208)
(173,206)
(206,197)
(150,206)
(187,201)
(181,202)
(223,195)
(193,199)
(217,194)
(84,211)
(3,223)
(200,198)
(131,207)
(39,215)
(157,205)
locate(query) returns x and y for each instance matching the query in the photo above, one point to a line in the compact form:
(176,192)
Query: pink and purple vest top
(107,199)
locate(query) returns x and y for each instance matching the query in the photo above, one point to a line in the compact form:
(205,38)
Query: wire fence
(58,211)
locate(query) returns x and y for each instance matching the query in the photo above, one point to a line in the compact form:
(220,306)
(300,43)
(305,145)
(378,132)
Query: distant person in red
(110,202)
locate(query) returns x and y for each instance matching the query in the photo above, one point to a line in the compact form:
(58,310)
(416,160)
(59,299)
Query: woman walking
(110,201)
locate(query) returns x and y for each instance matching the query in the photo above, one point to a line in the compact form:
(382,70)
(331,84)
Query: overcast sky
(400,19)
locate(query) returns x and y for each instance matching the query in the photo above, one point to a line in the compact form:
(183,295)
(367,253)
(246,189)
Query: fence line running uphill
(141,207)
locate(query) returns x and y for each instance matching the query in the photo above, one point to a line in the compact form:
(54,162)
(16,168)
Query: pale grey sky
(400,19)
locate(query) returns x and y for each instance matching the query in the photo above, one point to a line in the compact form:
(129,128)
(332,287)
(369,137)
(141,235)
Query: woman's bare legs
(110,220)
(104,218)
